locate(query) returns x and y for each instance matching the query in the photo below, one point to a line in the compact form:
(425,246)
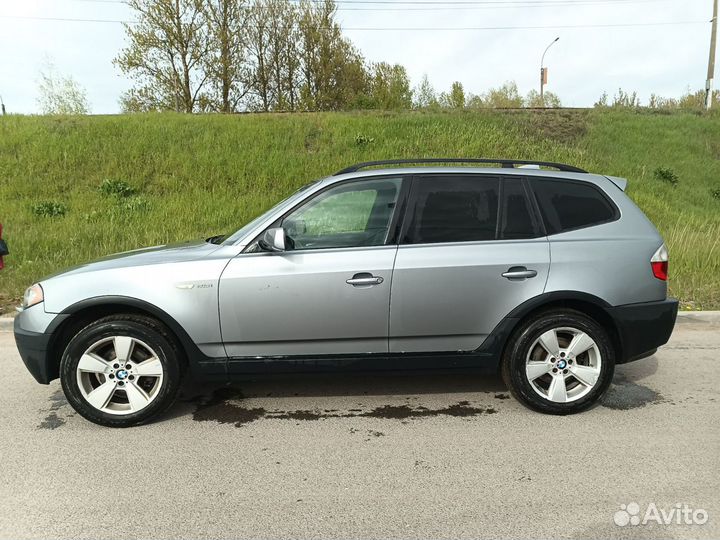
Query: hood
(171,253)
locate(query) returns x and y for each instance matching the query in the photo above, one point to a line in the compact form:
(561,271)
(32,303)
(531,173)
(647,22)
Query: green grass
(75,188)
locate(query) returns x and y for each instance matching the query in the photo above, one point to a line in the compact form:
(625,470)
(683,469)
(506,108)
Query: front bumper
(33,348)
(34,330)
(644,327)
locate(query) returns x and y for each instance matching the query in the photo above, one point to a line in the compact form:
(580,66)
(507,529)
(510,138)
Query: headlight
(33,295)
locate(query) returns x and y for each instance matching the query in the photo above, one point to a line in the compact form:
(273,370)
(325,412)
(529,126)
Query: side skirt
(485,359)
(369,362)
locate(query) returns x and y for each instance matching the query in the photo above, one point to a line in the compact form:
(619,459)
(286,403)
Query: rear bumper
(643,327)
(33,348)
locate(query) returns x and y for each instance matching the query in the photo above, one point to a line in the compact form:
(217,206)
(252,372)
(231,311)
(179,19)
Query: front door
(329,293)
(471,251)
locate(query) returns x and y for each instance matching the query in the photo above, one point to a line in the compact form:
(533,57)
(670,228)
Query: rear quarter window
(567,204)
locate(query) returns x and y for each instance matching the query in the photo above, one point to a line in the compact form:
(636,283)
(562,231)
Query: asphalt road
(364,456)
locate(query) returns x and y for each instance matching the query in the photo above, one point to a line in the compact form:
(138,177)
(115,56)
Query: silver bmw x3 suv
(541,270)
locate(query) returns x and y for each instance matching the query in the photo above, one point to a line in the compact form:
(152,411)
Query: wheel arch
(75,317)
(591,305)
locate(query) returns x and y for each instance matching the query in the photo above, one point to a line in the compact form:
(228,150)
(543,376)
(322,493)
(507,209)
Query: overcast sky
(664,59)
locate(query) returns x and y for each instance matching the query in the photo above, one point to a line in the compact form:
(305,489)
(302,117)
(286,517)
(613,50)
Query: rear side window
(566,205)
(453,209)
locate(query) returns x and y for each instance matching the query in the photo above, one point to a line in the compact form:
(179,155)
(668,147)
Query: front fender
(185,293)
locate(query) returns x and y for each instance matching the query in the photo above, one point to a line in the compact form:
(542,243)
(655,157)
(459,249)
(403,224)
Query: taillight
(659,263)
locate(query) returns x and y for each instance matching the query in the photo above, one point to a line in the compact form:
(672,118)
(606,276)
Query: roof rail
(506,163)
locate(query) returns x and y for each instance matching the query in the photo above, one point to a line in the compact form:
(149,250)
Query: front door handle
(364,279)
(517,273)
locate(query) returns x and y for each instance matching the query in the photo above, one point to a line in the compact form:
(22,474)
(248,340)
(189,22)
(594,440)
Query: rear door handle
(517,273)
(364,279)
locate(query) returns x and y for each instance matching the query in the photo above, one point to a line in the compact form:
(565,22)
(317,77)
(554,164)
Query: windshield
(255,222)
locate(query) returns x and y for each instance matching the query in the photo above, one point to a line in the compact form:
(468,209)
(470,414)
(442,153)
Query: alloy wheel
(119,375)
(563,364)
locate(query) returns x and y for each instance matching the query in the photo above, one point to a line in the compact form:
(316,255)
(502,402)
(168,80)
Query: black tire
(145,329)
(514,360)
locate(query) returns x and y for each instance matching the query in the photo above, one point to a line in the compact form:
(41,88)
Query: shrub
(362,140)
(49,209)
(666,175)
(715,193)
(117,188)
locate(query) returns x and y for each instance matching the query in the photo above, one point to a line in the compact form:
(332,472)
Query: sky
(481,43)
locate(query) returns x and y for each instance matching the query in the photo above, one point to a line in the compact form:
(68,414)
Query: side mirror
(273,239)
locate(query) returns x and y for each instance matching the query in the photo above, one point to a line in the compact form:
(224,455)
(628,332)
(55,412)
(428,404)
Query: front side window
(354,214)
(460,208)
(567,205)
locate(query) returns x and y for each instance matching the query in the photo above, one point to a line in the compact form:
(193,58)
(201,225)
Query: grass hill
(75,188)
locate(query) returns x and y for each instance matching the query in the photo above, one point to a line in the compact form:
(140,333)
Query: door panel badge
(187,285)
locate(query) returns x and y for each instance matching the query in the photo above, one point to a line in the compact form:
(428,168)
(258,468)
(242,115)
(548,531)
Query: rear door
(471,250)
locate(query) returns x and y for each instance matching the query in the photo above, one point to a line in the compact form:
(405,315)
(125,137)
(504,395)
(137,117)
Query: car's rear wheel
(121,370)
(559,362)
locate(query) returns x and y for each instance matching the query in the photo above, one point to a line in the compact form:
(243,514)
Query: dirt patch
(563,126)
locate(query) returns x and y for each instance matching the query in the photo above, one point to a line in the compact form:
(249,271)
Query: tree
(389,86)
(456,98)
(333,70)
(259,61)
(169,46)
(424,94)
(624,99)
(549,99)
(506,96)
(60,95)
(696,100)
(264,55)
(474,101)
(285,64)
(225,64)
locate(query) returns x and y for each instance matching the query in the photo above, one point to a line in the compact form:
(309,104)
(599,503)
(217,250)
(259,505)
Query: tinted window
(353,214)
(517,219)
(568,205)
(453,209)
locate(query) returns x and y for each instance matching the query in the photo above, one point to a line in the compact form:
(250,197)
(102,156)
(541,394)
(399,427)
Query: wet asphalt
(370,456)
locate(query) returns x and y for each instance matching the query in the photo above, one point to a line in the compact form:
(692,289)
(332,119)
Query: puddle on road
(224,407)
(58,404)
(624,395)
(220,408)
(51,421)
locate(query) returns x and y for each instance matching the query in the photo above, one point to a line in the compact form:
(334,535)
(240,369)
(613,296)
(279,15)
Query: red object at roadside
(2,264)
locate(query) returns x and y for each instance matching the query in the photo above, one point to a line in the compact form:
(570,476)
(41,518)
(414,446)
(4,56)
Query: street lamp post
(543,76)
(711,61)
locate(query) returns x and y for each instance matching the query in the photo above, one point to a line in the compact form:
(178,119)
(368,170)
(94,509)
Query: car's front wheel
(121,370)
(559,362)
